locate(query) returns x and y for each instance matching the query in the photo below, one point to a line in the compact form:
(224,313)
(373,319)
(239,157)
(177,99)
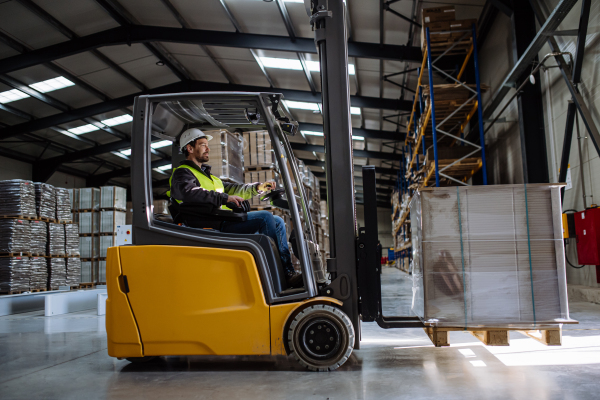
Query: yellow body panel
(280,315)
(565,226)
(196,301)
(192,301)
(122,333)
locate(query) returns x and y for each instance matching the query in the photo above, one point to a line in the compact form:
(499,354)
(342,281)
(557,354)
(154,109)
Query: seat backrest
(275,267)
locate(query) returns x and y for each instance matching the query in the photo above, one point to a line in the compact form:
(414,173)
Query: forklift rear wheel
(139,360)
(321,337)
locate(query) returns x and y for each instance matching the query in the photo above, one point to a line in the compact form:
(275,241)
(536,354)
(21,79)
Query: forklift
(178,290)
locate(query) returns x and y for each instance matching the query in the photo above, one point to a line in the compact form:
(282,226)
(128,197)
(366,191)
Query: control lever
(244,208)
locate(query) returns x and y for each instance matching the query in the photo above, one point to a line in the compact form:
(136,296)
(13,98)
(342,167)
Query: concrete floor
(64,357)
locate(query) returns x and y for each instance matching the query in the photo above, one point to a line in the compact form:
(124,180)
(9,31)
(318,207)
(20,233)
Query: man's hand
(269,185)
(237,200)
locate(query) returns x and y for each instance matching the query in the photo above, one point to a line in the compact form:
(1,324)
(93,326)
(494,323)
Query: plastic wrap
(89,222)
(38,278)
(14,274)
(45,200)
(72,239)
(113,197)
(17,198)
(101,277)
(258,150)
(73,271)
(57,272)
(489,256)
(226,158)
(86,272)
(86,248)
(109,220)
(15,236)
(39,237)
(160,207)
(89,199)
(63,205)
(74,199)
(105,243)
(56,239)
(261,176)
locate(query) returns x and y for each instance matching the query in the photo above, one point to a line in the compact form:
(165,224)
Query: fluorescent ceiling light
(301,105)
(118,120)
(12,95)
(357,137)
(355,110)
(294,1)
(84,129)
(287,63)
(52,84)
(126,152)
(162,143)
(165,167)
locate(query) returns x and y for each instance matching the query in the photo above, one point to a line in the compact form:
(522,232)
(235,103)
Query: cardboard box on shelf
(462,25)
(437,14)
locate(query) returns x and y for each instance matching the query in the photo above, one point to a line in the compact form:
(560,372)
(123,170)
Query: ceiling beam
(187,86)
(378,170)
(128,34)
(357,153)
(366,133)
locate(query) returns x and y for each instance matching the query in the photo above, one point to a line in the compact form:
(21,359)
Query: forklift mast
(328,19)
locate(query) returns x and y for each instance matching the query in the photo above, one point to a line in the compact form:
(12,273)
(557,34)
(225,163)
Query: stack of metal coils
(14,274)
(15,236)
(45,200)
(56,239)
(73,271)
(39,237)
(38,278)
(72,239)
(17,198)
(57,273)
(63,205)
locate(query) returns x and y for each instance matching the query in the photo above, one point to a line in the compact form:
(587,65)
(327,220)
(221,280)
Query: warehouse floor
(64,357)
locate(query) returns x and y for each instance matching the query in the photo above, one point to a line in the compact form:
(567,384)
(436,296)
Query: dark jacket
(185,187)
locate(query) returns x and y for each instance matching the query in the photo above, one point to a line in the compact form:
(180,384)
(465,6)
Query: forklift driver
(192,182)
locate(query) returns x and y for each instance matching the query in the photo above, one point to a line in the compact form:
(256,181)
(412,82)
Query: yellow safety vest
(212,183)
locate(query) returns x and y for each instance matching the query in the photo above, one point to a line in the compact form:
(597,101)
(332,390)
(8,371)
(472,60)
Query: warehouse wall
(503,140)
(61,179)
(13,169)
(556,96)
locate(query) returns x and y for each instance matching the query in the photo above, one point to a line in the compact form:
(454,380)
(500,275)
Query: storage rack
(451,107)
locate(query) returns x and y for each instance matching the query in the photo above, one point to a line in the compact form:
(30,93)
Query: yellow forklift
(179,290)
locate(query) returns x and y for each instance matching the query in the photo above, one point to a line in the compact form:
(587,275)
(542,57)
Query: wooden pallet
(20,254)
(38,290)
(9,292)
(18,217)
(64,221)
(88,285)
(550,336)
(88,234)
(38,254)
(260,167)
(56,256)
(113,209)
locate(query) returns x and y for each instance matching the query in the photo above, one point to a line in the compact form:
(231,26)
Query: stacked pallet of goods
(113,204)
(38,241)
(86,205)
(259,163)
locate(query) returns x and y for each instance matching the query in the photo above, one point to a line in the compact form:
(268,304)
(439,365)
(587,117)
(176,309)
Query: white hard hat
(190,135)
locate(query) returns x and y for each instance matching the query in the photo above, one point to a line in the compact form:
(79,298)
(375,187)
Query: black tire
(140,360)
(321,337)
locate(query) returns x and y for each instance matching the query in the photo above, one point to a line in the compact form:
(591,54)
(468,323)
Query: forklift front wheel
(321,337)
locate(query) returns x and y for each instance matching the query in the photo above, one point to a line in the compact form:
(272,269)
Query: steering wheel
(272,195)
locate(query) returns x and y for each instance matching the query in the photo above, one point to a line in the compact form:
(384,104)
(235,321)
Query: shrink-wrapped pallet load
(57,272)
(71,239)
(74,199)
(17,198)
(14,274)
(101,278)
(89,199)
(226,157)
(39,237)
(113,197)
(73,274)
(63,205)
(89,222)
(86,272)
(109,220)
(261,176)
(258,150)
(45,200)
(56,240)
(105,243)
(15,236)
(489,256)
(38,278)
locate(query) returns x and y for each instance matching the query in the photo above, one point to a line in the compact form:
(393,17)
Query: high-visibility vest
(206,183)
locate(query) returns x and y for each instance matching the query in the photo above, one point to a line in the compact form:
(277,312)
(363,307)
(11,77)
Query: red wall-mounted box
(587,228)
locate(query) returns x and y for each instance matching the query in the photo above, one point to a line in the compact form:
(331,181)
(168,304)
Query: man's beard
(203,158)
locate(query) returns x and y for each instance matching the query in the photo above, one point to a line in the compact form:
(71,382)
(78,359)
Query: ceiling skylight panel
(83,129)
(12,95)
(121,119)
(52,84)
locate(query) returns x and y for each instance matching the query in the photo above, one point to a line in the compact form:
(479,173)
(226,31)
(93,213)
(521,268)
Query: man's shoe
(294,280)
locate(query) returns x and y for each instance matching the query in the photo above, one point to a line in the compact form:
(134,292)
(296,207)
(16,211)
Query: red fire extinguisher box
(587,228)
